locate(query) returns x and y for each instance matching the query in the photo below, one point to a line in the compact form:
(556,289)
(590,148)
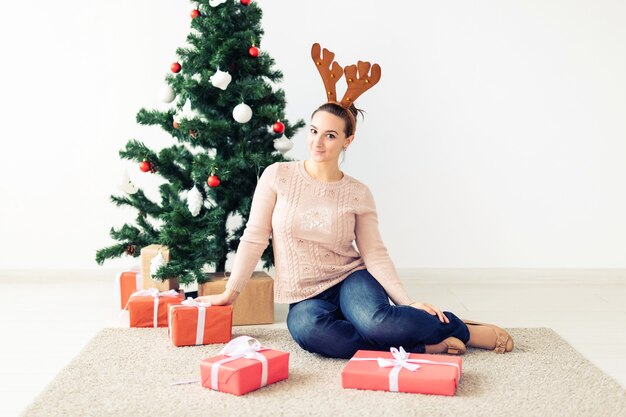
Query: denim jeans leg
(365,304)
(318,326)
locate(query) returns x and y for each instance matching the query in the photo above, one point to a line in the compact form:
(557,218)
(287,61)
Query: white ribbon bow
(240,347)
(401,360)
(190,302)
(152,292)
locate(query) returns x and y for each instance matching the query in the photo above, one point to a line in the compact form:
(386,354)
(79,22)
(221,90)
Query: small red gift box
(398,371)
(126,283)
(193,323)
(148,308)
(244,366)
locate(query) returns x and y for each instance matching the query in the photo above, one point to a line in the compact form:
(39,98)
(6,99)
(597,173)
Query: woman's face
(326,137)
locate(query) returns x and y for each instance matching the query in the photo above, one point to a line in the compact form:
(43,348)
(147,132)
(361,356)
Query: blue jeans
(356,314)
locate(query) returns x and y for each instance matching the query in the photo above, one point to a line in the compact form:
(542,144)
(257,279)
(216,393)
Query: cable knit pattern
(313,225)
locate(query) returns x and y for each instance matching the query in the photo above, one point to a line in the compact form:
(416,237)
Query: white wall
(496,137)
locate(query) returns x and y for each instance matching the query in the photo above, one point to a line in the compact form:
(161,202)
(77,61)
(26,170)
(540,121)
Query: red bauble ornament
(279,127)
(145,166)
(175,67)
(213,181)
(175,124)
(195,13)
(245,2)
(253,51)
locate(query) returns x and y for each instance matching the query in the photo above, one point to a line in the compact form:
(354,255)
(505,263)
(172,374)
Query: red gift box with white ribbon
(196,323)
(243,366)
(149,308)
(399,371)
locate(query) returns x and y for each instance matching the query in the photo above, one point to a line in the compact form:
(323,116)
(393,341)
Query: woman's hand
(226,298)
(429,308)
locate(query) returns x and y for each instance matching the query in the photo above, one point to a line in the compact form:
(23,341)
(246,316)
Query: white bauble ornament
(283,145)
(126,185)
(215,3)
(242,113)
(166,94)
(194,201)
(156,262)
(221,79)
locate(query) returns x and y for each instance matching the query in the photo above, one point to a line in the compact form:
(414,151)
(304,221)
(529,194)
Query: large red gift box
(149,308)
(193,323)
(244,366)
(126,283)
(398,371)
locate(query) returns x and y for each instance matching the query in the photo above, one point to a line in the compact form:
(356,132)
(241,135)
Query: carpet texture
(127,372)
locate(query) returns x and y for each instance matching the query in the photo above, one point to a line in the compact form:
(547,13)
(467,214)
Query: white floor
(47,319)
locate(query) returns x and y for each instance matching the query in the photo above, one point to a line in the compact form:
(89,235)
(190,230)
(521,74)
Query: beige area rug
(127,372)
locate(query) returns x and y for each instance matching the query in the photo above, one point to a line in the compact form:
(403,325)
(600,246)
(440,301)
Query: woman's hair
(337,110)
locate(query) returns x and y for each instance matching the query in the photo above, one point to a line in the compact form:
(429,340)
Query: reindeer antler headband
(331,72)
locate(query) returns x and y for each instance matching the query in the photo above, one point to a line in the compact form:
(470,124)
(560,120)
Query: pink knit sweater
(313,225)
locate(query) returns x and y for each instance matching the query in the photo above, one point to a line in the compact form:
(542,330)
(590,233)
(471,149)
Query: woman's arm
(256,235)
(374,252)
(226,298)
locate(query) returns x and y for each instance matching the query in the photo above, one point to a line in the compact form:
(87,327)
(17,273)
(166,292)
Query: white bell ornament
(221,79)
(283,145)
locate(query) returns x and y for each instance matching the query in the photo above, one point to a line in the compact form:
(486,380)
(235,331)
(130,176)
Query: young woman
(339,297)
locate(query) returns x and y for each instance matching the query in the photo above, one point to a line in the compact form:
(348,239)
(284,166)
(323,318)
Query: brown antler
(330,71)
(357,85)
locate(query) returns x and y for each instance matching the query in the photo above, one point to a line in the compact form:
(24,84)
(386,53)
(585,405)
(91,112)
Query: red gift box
(193,323)
(398,371)
(149,308)
(244,366)
(126,283)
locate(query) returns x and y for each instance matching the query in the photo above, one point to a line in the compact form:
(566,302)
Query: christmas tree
(228,122)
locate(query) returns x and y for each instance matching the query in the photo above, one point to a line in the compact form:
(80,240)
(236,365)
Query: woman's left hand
(431,309)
